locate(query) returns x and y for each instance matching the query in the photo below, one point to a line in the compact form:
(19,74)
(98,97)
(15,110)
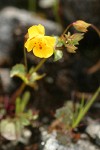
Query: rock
(5,79)
(93,131)
(85,145)
(46,4)
(69,10)
(88,10)
(50,142)
(26,18)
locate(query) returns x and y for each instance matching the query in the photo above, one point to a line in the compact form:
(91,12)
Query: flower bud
(71,48)
(81,26)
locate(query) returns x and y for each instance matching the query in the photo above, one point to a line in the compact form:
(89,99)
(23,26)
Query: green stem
(25,60)
(96,29)
(32,5)
(39,65)
(56,10)
(85,109)
(18,92)
(66,29)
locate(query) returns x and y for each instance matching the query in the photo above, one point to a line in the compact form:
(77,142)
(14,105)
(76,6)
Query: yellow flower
(42,46)
(81,25)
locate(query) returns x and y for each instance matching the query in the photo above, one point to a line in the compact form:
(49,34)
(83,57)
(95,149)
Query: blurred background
(74,73)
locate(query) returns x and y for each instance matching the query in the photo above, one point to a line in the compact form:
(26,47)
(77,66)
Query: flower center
(40,46)
(40,43)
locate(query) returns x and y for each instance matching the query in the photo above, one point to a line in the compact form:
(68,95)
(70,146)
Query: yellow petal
(43,46)
(50,40)
(44,53)
(36,30)
(29,45)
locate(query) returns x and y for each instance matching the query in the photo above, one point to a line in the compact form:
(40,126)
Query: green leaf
(35,76)
(7,129)
(31,70)
(21,103)
(65,114)
(77,36)
(60,43)
(19,71)
(74,38)
(18,108)
(84,109)
(24,101)
(31,116)
(18,128)
(3,123)
(58,55)
(25,121)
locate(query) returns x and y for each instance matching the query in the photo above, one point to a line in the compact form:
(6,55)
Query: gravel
(50,142)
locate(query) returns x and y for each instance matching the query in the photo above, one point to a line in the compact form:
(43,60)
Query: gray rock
(5,79)
(85,145)
(46,4)
(93,130)
(26,18)
(50,142)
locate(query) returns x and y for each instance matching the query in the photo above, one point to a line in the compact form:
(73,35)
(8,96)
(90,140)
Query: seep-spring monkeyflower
(42,46)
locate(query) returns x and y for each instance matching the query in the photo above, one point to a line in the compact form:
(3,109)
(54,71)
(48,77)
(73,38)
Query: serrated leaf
(74,39)
(19,71)
(67,35)
(77,36)
(65,114)
(58,55)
